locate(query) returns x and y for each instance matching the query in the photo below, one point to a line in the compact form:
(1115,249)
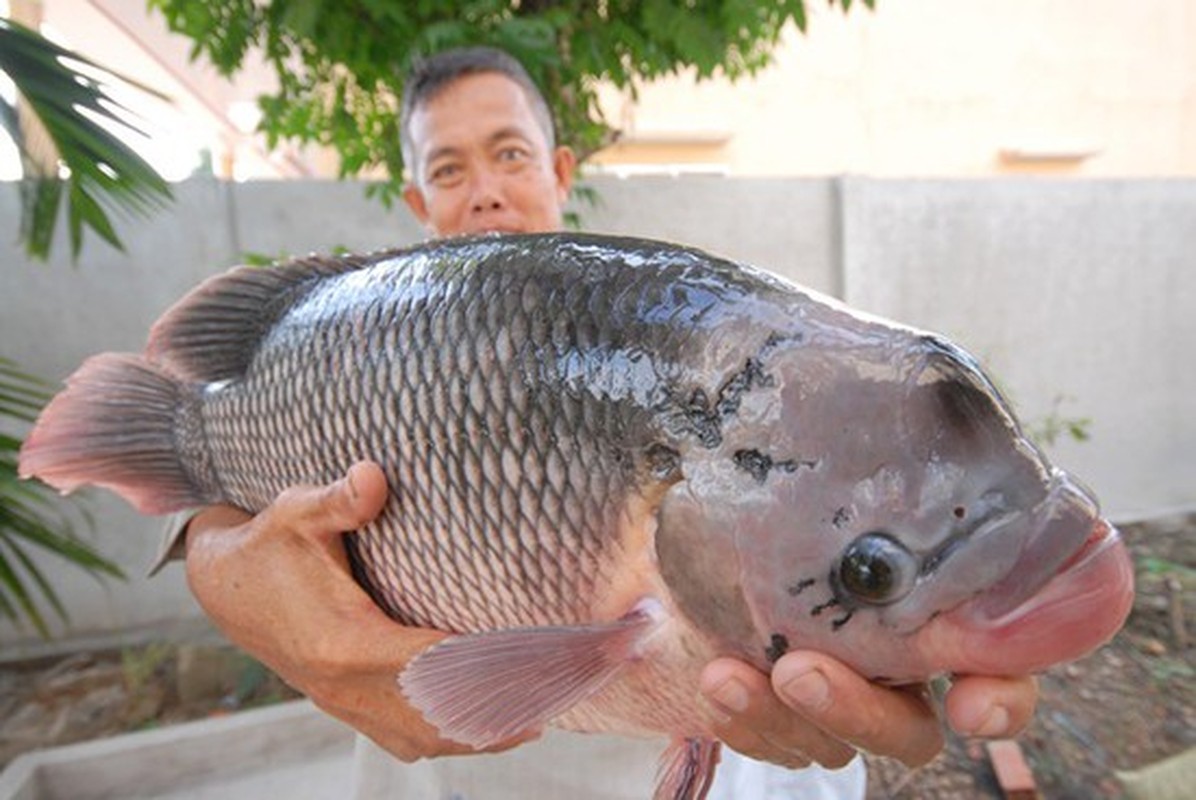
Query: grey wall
(1081,293)
(1078,292)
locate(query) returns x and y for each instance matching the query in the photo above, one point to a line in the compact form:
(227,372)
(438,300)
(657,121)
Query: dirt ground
(1125,707)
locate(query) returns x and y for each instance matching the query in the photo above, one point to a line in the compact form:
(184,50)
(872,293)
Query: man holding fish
(478,139)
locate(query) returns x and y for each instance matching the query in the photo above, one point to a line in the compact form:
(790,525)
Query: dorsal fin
(212,333)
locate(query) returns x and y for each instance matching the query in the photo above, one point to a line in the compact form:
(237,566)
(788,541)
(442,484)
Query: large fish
(611,460)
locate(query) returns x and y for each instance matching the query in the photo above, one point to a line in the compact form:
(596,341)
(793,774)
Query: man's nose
(486,193)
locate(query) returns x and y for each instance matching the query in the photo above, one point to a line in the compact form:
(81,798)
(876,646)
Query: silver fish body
(610,461)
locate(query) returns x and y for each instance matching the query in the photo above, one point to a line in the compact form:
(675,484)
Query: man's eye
(513,154)
(444,173)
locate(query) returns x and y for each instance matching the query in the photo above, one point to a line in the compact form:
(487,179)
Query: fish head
(904,522)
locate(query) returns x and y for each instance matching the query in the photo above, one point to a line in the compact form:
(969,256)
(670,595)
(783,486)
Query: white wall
(1084,290)
(942,88)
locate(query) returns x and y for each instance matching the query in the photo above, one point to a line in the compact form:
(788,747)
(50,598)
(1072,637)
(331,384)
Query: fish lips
(1065,592)
(1069,591)
(1067,533)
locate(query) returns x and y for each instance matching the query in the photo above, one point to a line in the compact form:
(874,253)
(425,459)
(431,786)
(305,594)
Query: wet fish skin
(611,460)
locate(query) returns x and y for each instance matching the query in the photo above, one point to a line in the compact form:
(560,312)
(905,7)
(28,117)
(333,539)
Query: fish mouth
(1067,525)
(1099,551)
(1068,593)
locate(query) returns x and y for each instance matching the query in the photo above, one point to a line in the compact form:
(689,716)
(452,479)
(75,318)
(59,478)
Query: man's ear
(564,164)
(414,199)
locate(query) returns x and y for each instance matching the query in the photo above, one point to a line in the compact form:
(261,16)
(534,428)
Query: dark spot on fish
(841,621)
(776,338)
(663,462)
(959,512)
(967,404)
(777,647)
(758,464)
(701,417)
(800,587)
(693,416)
(818,609)
(755,463)
(734,388)
(841,517)
(958,403)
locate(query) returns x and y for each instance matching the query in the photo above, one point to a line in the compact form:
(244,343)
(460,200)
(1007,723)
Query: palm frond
(21,395)
(75,142)
(32,518)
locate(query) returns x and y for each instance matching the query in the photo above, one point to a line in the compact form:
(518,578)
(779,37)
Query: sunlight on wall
(168,140)
(10,162)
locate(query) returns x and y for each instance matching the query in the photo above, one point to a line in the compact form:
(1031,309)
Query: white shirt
(584,767)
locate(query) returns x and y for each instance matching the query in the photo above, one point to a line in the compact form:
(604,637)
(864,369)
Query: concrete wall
(1076,293)
(1079,293)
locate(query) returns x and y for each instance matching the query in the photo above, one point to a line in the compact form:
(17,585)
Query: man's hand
(279,586)
(817,710)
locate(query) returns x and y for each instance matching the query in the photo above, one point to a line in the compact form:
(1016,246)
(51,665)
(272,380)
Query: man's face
(482,163)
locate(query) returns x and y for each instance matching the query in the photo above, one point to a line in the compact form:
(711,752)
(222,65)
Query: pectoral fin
(484,688)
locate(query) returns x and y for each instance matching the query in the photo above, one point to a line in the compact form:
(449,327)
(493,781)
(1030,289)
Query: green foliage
(340,63)
(1054,426)
(1155,566)
(31,519)
(139,665)
(75,130)
(70,148)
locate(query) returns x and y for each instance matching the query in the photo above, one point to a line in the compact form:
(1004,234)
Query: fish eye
(876,569)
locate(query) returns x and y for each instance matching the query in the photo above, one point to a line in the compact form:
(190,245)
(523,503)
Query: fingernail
(732,696)
(718,715)
(352,486)
(808,690)
(995,724)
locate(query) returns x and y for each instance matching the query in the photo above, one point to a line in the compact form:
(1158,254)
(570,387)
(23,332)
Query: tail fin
(114,426)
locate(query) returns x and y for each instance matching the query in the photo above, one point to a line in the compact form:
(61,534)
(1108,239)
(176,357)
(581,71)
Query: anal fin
(687,769)
(484,688)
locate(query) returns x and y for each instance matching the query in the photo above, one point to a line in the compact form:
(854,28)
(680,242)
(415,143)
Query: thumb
(327,511)
(366,489)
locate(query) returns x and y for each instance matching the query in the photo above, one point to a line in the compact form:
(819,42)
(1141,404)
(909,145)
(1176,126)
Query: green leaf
(32,518)
(71,98)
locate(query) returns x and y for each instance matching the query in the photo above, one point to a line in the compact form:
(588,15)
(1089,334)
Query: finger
(204,532)
(991,707)
(215,518)
(324,512)
(891,722)
(750,719)
(210,535)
